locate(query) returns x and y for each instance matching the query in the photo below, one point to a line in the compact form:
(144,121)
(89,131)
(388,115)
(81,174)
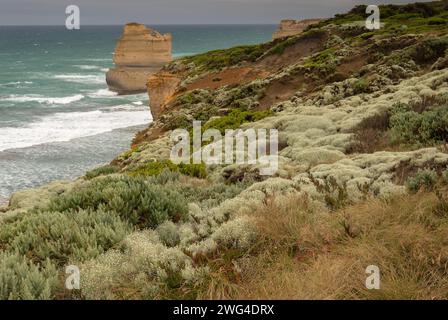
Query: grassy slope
(225,232)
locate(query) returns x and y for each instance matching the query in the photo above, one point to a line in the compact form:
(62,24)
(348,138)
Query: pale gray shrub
(142,266)
(169,234)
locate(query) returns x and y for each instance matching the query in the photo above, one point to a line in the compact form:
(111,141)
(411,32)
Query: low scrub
(133,199)
(235,119)
(218,59)
(423,179)
(427,128)
(21,279)
(101,171)
(418,124)
(63,237)
(157,167)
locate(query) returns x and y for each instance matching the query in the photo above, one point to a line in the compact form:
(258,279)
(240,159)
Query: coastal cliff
(140,52)
(290,27)
(161,88)
(362,178)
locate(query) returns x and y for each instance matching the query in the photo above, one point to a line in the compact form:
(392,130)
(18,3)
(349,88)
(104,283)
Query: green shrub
(61,237)
(427,128)
(101,171)
(429,50)
(194,97)
(324,62)
(165,177)
(218,59)
(133,199)
(437,21)
(404,123)
(423,178)
(361,86)
(235,119)
(281,47)
(158,167)
(21,279)
(179,121)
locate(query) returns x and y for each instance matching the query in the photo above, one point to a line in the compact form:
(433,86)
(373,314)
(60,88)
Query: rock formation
(140,52)
(161,87)
(289,28)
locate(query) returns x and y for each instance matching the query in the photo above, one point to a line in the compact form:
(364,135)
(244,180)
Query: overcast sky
(52,12)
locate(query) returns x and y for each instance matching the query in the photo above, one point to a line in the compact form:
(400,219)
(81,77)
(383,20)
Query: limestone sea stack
(290,28)
(140,52)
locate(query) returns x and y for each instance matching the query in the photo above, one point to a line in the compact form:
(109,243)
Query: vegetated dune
(362,118)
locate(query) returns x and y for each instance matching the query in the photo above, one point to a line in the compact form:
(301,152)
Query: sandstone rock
(290,28)
(140,52)
(161,87)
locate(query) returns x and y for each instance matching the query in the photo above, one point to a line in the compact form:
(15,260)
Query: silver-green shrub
(20,279)
(133,199)
(423,178)
(169,234)
(64,237)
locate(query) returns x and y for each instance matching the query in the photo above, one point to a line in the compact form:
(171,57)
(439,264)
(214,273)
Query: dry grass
(305,253)
(372,135)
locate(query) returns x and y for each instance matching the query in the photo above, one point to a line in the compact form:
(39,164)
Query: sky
(119,12)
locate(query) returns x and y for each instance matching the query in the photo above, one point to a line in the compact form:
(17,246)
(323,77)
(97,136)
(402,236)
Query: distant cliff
(290,28)
(139,53)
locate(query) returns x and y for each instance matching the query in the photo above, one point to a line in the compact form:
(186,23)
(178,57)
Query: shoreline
(88,152)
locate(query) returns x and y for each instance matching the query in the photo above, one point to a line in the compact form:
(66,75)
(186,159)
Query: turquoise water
(57,118)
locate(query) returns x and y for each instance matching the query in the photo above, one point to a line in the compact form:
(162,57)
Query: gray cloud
(52,12)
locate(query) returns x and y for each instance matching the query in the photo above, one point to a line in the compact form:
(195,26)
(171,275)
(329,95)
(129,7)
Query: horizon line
(149,24)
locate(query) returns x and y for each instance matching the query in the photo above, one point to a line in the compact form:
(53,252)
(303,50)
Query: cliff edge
(290,28)
(140,52)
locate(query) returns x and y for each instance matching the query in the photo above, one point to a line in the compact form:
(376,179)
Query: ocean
(57,117)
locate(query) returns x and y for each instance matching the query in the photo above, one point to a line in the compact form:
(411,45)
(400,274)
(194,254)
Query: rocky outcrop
(290,28)
(161,88)
(140,52)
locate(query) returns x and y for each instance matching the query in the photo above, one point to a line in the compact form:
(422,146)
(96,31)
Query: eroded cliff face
(290,28)
(140,52)
(161,88)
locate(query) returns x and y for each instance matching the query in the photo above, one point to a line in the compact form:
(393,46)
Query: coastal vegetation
(362,179)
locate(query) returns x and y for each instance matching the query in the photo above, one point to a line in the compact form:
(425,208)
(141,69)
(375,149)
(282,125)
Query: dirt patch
(282,90)
(228,77)
(294,53)
(351,65)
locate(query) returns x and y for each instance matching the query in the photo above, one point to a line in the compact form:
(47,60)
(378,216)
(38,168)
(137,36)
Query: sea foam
(82,78)
(61,127)
(42,99)
(103,93)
